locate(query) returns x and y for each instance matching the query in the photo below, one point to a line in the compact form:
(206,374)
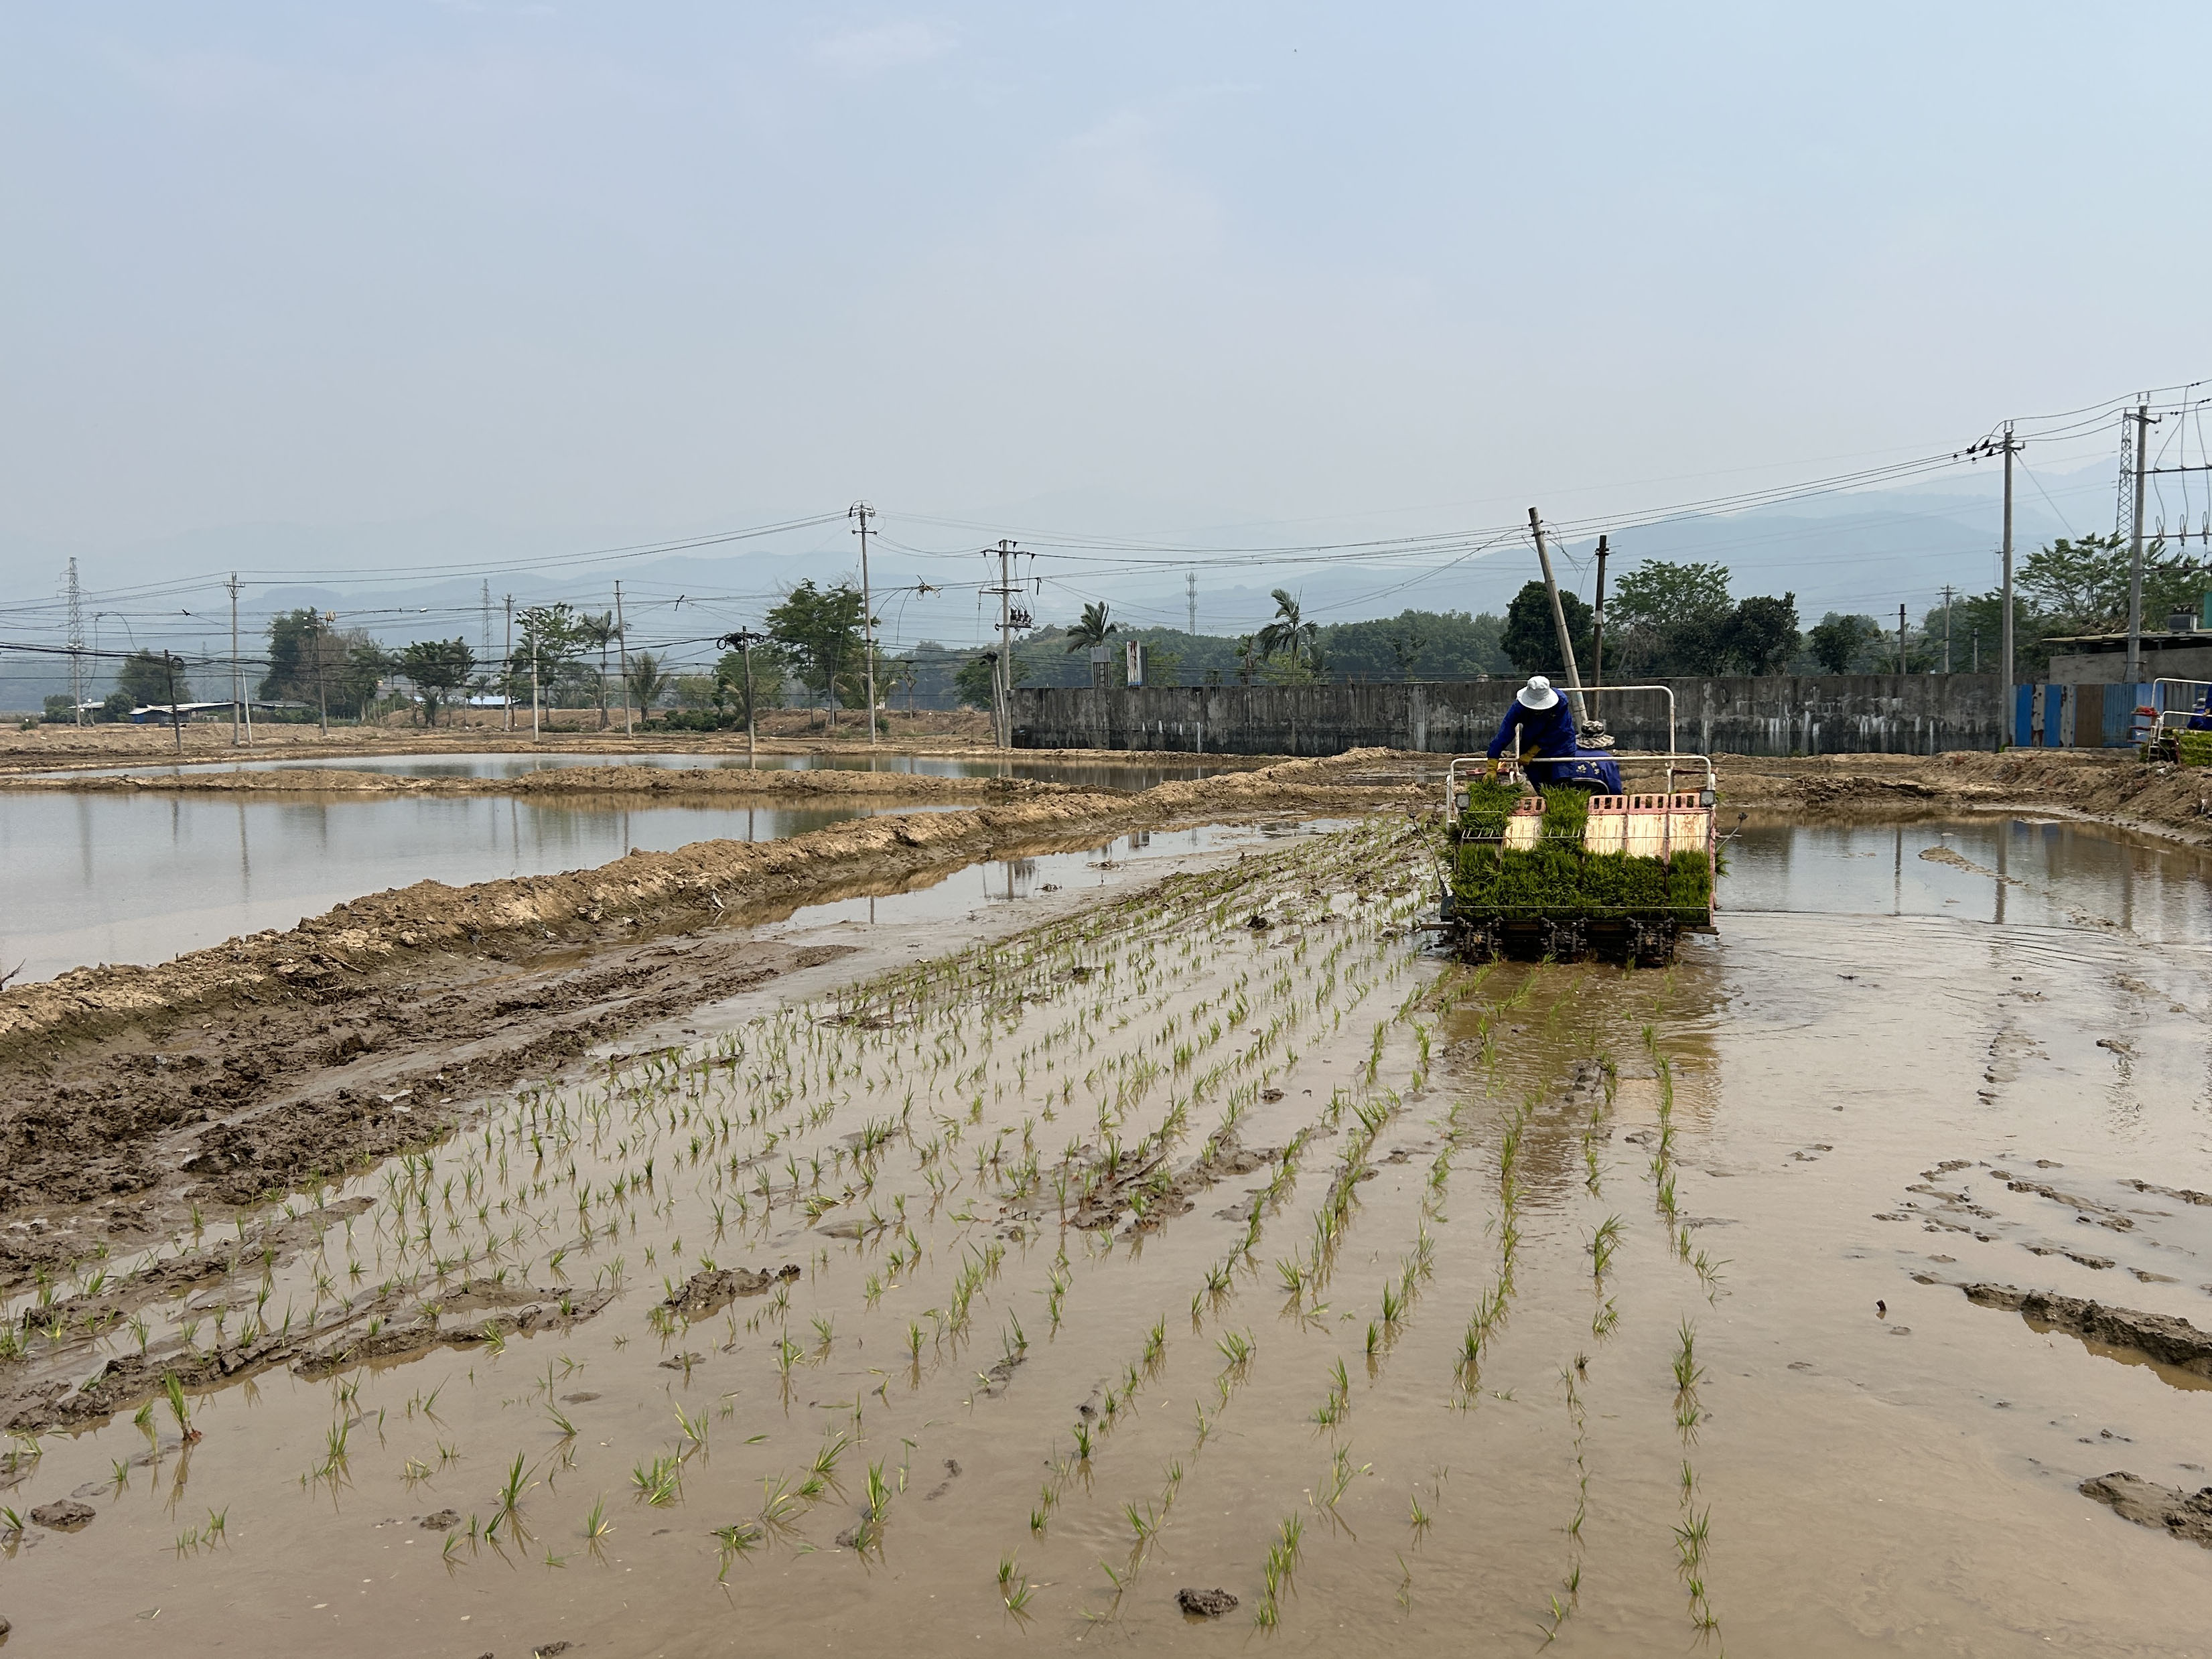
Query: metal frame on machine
(2161,714)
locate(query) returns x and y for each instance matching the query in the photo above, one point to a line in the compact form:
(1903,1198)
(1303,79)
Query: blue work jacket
(1549,733)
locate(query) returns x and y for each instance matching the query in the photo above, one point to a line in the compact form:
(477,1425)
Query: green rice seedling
(174,1391)
(660,1482)
(11,1523)
(694,1428)
(1083,1441)
(1687,1372)
(510,1498)
(1603,1242)
(1419,1521)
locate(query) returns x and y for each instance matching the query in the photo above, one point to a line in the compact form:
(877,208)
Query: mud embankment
(268,1061)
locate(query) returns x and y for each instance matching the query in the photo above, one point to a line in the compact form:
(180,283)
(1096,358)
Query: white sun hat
(1537,694)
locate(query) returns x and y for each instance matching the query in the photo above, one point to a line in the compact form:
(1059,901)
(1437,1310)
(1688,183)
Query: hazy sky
(583,269)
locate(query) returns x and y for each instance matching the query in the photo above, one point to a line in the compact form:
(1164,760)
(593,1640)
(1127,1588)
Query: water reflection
(1118,774)
(2037,872)
(128,878)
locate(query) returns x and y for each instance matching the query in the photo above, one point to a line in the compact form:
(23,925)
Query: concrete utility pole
(622,658)
(1558,619)
(75,646)
(1597,620)
(2005,712)
(1900,639)
(322,691)
(505,672)
(1947,628)
(2142,418)
(1002,673)
(176,725)
(1190,598)
(863,512)
(237,736)
(744,640)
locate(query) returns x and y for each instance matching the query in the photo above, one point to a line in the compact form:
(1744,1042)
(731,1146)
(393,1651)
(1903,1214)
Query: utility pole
(1947,628)
(1597,620)
(507,670)
(1978,651)
(2142,418)
(176,725)
(534,736)
(322,693)
(1002,677)
(1558,619)
(744,640)
(75,645)
(863,512)
(1190,598)
(237,701)
(2005,713)
(1900,639)
(622,648)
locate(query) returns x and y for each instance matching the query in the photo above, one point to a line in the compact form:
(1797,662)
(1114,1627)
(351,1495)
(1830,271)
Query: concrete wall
(1778,714)
(2109,667)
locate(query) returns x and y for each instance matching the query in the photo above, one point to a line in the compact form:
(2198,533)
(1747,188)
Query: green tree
(145,679)
(1436,645)
(1406,643)
(648,681)
(437,669)
(974,680)
(767,680)
(821,630)
(1532,644)
(1289,635)
(1092,628)
(550,644)
(1672,617)
(2083,583)
(1761,635)
(600,631)
(1840,643)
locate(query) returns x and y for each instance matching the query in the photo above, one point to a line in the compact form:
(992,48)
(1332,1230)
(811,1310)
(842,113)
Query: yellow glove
(1493,769)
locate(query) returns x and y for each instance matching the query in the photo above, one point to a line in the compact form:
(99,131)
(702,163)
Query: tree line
(1666,618)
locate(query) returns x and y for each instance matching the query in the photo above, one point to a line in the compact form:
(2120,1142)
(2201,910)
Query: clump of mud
(2169,1341)
(2168,1508)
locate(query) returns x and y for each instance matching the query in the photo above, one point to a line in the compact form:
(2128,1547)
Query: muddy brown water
(1856,1093)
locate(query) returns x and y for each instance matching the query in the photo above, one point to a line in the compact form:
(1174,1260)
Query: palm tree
(1289,635)
(599,630)
(1093,627)
(648,684)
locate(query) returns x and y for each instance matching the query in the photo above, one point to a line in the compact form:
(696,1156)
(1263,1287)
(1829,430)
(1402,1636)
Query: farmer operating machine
(1549,853)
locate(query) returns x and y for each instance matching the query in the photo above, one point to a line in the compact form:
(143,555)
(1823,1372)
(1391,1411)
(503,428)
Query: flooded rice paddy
(1003,1290)
(1127,775)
